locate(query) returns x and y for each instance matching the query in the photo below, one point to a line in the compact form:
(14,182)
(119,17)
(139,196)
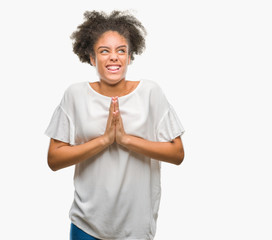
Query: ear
(92,60)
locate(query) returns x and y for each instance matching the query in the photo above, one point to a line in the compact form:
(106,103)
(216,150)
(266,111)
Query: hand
(110,128)
(120,135)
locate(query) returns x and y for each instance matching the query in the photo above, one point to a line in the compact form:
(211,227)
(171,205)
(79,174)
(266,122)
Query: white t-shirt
(117,192)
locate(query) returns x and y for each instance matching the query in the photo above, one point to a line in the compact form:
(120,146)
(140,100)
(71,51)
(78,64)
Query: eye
(104,51)
(121,51)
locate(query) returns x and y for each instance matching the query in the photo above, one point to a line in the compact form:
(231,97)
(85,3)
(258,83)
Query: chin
(112,81)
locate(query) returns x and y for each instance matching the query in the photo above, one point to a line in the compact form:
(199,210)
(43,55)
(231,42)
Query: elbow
(179,158)
(178,152)
(51,163)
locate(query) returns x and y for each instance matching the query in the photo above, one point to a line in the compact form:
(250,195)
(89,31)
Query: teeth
(113,67)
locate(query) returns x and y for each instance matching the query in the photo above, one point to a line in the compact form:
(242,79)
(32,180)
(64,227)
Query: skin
(112,49)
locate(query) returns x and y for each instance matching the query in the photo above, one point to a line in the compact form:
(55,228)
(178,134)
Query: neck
(119,89)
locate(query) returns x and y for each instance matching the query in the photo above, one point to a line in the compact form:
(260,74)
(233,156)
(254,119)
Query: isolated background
(213,60)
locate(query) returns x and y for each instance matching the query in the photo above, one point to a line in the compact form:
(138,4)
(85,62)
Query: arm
(171,152)
(61,154)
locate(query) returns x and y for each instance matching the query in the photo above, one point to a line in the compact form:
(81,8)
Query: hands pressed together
(61,154)
(115,130)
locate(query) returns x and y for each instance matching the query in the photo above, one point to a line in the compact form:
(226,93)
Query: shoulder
(152,88)
(150,84)
(75,88)
(152,95)
(72,93)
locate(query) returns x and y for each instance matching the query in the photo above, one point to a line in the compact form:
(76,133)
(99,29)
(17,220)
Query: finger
(112,106)
(111,120)
(117,104)
(117,115)
(119,121)
(114,100)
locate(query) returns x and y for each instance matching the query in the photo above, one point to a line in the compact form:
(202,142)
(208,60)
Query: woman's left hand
(120,134)
(171,152)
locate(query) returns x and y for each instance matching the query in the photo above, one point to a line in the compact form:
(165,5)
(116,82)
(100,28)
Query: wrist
(105,141)
(125,140)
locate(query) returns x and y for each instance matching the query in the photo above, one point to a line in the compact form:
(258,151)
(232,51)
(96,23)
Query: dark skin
(111,60)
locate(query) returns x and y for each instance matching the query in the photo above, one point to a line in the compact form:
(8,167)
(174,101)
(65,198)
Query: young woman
(116,132)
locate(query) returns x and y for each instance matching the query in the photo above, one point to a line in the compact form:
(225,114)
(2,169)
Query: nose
(113,57)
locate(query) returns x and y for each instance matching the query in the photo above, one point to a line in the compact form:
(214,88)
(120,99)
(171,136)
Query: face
(111,57)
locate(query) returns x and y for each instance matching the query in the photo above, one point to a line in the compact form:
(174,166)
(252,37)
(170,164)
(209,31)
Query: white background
(213,60)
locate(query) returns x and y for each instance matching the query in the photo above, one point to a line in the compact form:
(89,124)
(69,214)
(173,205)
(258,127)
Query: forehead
(111,39)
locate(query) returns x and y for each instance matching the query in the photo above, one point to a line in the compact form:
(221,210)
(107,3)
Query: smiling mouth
(113,68)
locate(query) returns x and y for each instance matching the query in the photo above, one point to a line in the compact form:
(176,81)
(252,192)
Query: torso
(117,187)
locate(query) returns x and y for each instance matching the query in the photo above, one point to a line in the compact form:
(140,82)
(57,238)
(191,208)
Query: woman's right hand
(61,154)
(110,128)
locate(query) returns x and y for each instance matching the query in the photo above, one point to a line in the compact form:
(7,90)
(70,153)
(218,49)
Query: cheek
(125,59)
(100,63)
(100,69)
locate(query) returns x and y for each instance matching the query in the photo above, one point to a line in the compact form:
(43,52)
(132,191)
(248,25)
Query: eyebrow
(108,47)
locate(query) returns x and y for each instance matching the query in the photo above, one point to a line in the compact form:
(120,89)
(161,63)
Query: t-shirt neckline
(107,97)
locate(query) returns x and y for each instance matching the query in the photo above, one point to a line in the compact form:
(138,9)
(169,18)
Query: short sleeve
(61,127)
(169,127)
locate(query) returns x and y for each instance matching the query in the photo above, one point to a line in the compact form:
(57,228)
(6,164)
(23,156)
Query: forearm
(171,152)
(65,156)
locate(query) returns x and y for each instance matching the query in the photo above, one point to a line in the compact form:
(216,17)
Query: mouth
(113,68)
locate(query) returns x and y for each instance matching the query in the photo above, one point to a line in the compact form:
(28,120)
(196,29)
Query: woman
(115,132)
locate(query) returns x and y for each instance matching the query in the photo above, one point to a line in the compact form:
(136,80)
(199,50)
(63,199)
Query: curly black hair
(97,23)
